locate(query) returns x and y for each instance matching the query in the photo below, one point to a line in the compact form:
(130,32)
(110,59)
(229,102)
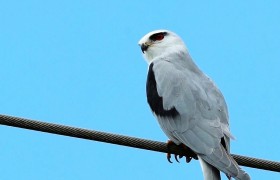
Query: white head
(159,43)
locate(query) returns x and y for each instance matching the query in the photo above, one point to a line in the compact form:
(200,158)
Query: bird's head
(160,42)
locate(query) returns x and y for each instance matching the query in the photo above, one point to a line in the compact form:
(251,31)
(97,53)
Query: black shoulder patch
(153,98)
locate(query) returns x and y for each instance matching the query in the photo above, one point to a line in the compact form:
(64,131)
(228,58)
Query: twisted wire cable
(123,140)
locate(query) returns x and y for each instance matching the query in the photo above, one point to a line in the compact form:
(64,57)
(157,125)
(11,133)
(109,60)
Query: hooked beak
(144,47)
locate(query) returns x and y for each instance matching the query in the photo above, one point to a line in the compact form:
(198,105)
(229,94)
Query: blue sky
(78,63)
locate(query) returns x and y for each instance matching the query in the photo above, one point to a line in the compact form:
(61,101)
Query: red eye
(158,36)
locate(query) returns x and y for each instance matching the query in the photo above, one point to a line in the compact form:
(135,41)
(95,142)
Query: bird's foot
(189,154)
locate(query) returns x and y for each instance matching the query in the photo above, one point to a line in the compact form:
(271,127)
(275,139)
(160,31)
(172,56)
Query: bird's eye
(158,36)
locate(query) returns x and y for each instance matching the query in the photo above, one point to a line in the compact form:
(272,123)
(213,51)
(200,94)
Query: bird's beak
(144,47)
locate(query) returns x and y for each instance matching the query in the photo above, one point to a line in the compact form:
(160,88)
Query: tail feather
(221,160)
(209,171)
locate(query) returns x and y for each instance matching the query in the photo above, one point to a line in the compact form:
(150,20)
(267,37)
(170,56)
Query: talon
(169,157)
(176,158)
(189,153)
(169,142)
(188,159)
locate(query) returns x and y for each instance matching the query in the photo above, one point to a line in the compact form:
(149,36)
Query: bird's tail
(209,171)
(221,160)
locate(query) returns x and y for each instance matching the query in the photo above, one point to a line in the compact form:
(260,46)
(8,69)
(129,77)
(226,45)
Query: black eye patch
(158,36)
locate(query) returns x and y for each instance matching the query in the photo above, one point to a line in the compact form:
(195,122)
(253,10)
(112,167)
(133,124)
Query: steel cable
(123,140)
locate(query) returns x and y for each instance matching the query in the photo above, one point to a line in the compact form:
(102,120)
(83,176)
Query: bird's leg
(189,153)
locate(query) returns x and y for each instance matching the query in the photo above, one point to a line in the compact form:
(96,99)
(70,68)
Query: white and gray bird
(189,107)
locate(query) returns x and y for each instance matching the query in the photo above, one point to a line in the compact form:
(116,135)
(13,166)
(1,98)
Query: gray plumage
(201,122)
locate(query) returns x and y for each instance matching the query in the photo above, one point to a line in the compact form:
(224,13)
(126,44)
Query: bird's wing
(201,121)
(197,124)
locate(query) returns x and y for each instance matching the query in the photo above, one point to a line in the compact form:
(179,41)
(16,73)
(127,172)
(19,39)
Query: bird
(188,105)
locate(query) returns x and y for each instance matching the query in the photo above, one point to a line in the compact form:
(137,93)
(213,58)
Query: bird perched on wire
(189,107)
